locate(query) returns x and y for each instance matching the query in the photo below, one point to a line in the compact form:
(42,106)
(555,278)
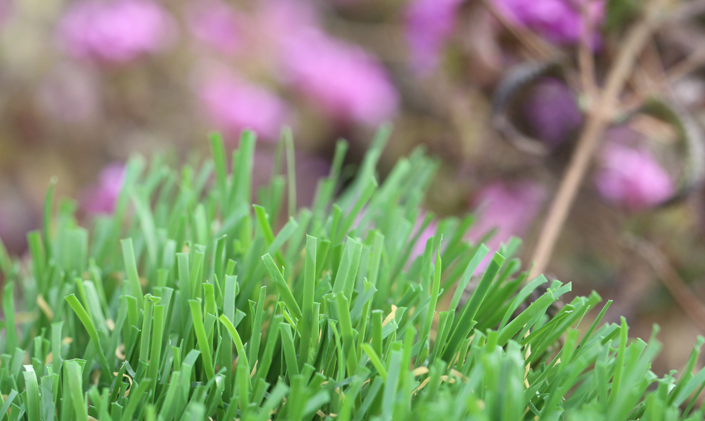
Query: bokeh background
(84,84)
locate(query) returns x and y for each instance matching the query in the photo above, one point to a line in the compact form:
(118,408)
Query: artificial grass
(188,304)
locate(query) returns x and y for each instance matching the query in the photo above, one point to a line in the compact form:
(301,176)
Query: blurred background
(84,84)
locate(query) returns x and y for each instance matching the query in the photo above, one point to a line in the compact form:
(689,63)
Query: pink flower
(429,24)
(215,24)
(508,208)
(345,81)
(102,197)
(235,105)
(552,112)
(559,21)
(115,31)
(631,177)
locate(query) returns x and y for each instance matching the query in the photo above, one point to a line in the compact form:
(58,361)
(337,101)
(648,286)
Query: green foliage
(189,304)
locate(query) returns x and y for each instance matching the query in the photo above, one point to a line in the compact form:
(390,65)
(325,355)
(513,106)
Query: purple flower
(631,177)
(559,21)
(102,197)
(215,24)
(552,112)
(344,80)
(115,31)
(508,208)
(429,24)
(235,105)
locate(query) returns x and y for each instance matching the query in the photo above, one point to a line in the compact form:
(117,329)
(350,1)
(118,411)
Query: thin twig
(654,62)
(586,60)
(537,48)
(533,43)
(669,277)
(673,75)
(685,67)
(642,83)
(599,116)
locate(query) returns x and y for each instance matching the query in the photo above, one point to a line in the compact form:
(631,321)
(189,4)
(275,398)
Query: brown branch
(599,117)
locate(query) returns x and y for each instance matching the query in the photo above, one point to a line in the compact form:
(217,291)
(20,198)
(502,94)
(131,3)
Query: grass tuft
(191,303)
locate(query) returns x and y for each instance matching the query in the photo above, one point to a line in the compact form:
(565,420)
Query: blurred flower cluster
(122,75)
(342,80)
(87,83)
(96,80)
